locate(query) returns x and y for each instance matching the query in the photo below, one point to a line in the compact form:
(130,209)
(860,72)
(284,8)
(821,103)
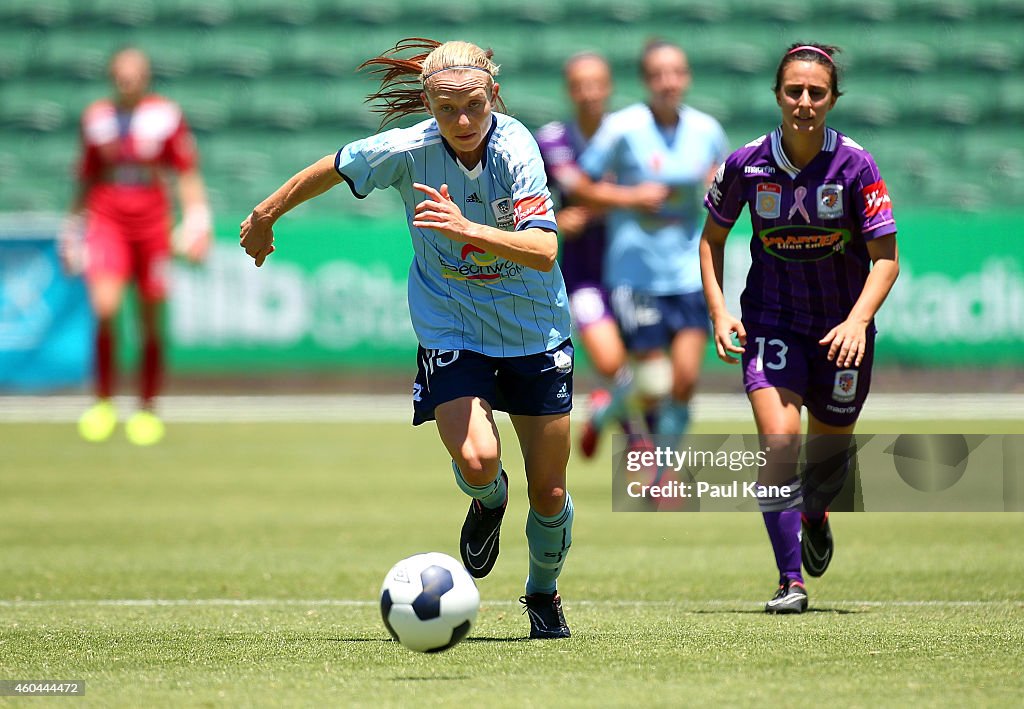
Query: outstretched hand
(847,343)
(441,214)
(257,238)
(724,328)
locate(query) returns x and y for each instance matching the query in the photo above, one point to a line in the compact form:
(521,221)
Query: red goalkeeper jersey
(124,156)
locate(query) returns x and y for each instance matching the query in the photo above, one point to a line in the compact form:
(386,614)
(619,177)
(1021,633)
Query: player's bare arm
(257,231)
(712,265)
(195,231)
(849,338)
(645,197)
(534,247)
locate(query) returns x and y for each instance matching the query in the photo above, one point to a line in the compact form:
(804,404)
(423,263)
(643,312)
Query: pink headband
(809,48)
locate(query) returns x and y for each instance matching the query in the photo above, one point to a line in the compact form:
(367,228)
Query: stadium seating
(931,86)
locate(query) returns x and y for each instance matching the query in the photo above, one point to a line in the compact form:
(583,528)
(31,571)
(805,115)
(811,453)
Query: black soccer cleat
(546,619)
(815,545)
(790,598)
(478,544)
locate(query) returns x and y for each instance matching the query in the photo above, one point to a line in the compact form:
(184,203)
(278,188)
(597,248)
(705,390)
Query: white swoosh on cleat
(485,551)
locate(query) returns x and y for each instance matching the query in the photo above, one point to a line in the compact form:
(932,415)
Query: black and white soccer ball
(429,602)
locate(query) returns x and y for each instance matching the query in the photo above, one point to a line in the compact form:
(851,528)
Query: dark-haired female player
(824,258)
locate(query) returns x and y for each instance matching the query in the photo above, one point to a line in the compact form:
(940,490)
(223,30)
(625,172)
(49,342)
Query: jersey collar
(474,172)
(783,161)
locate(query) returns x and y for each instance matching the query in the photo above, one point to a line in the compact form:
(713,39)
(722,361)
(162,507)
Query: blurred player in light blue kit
(823,260)
(582,227)
(651,262)
(486,296)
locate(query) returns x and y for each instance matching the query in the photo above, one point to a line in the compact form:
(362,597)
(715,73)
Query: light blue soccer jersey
(461,297)
(656,253)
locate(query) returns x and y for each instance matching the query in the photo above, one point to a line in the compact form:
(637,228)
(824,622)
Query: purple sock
(782,520)
(784,532)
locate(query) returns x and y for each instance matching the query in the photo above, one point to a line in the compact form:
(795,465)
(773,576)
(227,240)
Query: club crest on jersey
(830,201)
(563,362)
(769,200)
(502,209)
(845,387)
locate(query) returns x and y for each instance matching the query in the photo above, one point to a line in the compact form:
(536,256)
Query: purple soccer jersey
(582,258)
(810,229)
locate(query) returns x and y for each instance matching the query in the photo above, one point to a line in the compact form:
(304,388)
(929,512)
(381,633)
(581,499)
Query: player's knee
(478,467)
(547,500)
(652,378)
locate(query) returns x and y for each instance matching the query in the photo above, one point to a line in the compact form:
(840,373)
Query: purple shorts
(779,358)
(588,305)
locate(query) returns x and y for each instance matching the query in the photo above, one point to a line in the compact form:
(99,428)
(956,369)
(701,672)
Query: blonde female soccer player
(486,296)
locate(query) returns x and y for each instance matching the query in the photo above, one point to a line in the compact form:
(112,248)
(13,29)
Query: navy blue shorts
(650,322)
(532,385)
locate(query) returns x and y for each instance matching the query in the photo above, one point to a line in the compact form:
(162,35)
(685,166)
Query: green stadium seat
(31,114)
(194,13)
(35,13)
(118,13)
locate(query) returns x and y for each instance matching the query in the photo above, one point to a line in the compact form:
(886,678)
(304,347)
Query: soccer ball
(429,602)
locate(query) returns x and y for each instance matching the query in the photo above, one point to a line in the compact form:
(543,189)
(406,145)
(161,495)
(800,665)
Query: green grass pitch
(266,545)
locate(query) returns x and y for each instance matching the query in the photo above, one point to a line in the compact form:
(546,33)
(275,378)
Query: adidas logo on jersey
(563,393)
(474,198)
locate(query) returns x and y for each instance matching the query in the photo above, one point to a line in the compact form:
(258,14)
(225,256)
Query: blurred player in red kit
(119,229)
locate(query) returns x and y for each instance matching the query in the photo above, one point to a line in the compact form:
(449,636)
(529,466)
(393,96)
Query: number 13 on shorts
(774,349)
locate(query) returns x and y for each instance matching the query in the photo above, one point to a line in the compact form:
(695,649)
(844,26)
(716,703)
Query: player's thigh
(688,348)
(108,265)
(836,395)
(595,324)
(545,443)
(604,346)
(467,429)
(151,261)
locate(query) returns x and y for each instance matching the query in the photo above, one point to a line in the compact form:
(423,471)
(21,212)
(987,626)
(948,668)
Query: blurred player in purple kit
(581,224)
(823,261)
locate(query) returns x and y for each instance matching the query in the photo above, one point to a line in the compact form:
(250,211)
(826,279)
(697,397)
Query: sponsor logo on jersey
(876,198)
(845,388)
(503,215)
(479,266)
(758,170)
(768,201)
(529,207)
(474,199)
(830,201)
(800,242)
(715,191)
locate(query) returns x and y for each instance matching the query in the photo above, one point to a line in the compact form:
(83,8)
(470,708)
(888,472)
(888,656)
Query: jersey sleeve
(180,148)
(531,201)
(724,200)
(599,157)
(872,203)
(369,164)
(559,156)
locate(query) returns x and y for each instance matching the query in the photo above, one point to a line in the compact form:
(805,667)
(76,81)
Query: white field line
(347,602)
(398,408)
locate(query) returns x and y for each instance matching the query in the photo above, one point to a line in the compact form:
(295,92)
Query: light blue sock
(622,387)
(673,418)
(492,495)
(549,539)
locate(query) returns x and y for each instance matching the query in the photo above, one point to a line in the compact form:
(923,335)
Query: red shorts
(127,252)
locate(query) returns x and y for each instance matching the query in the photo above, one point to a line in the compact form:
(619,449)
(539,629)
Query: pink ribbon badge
(798,204)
